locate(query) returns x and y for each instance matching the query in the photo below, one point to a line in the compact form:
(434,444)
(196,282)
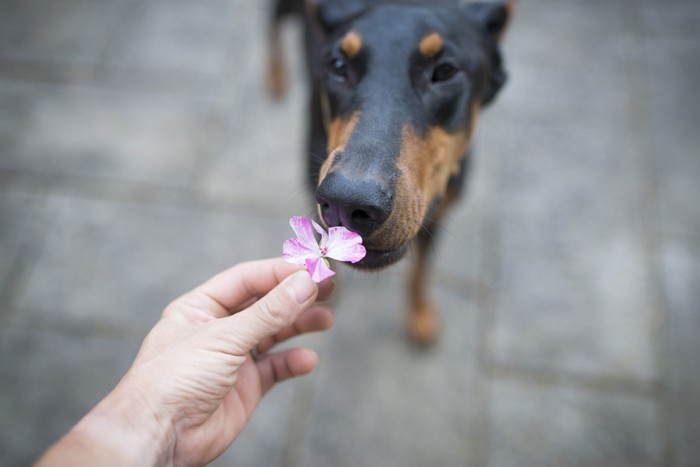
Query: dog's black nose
(358,205)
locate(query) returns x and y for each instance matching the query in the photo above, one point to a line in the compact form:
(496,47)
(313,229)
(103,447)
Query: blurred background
(140,154)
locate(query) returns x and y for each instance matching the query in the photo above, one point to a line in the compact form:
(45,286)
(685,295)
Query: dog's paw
(424,326)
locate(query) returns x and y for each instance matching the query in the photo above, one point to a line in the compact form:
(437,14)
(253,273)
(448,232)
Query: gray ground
(139,154)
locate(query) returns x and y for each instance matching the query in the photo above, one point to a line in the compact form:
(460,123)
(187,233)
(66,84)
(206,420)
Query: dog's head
(401,88)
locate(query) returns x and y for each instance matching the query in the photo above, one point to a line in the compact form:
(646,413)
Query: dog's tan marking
(430,161)
(426,163)
(351,45)
(511,7)
(339,132)
(431,44)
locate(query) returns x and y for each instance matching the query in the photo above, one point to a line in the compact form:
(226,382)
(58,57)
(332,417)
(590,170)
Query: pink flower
(339,243)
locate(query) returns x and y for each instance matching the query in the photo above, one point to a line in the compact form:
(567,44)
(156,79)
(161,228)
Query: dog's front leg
(422,320)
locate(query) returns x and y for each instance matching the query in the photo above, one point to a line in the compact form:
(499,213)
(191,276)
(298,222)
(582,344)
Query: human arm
(193,385)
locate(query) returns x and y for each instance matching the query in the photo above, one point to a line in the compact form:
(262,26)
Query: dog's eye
(443,72)
(338,67)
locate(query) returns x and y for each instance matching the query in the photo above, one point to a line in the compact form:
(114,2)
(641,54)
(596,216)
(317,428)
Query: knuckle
(275,312)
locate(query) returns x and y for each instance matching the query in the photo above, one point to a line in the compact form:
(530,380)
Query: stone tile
(50,380)
(58,30)
(550,426)
(673,114)
(122,263)
(681,276)
(566,61)
(574,290)
(380,401)
(92,133)
(181,36)
(263,158)
(164,47)
(16,213)
(675,18)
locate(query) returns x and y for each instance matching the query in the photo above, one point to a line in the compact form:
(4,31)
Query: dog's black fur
(396,89)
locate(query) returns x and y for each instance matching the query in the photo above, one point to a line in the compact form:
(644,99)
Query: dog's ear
(329,15)
(493,18)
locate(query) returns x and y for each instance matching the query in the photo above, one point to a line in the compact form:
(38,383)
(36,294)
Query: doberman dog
(396,90)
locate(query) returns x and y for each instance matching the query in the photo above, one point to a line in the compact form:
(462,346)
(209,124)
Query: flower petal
(322,231)
(304,232)
(295,252)
(344,245)
(319,269)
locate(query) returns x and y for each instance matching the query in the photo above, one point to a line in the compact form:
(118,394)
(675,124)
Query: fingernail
(301,286)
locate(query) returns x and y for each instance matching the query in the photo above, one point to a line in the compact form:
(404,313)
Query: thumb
(278,309)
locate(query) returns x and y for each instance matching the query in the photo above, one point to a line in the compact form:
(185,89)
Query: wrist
(129,422)
(122,430)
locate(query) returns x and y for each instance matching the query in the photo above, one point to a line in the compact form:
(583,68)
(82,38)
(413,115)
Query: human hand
(194,384)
